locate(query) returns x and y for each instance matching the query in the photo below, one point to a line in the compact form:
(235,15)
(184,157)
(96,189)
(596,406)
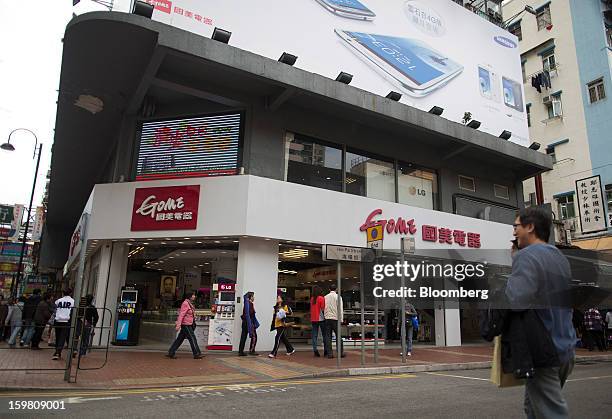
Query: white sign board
(433,52)
(591,204)
(347,254)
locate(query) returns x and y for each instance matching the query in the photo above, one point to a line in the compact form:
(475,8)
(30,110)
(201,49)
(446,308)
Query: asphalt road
(456,394)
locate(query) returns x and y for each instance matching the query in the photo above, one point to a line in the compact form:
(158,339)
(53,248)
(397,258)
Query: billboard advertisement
(433,52)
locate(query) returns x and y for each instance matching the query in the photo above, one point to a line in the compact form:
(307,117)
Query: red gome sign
(166,208)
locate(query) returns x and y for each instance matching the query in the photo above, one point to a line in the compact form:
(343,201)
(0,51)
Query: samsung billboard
(434,52)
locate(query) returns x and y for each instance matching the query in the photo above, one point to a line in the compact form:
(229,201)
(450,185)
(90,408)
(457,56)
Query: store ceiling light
(199,242)
(288,272)
(186,238)
(202,252)
(217,241)
(221,35)
(350,180)
(163,242)
(90,103)
(294,253)
(180,242)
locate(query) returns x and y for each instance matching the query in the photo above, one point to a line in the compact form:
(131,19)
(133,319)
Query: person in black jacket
(44,311)
(29,309)
(90,320)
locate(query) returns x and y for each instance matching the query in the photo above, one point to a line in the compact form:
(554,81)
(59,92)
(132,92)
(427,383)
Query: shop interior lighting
(474,124)
(350,180)
(345,78)
(535,146)
(221,35)
(394,96)
(294,253)
(505,135)
(217,241)
(287,58)
(135,251)
(436,110)
(143,9)
(288,272)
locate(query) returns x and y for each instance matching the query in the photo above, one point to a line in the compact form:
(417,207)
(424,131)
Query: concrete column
(447,319)
(113,270)
(257,272)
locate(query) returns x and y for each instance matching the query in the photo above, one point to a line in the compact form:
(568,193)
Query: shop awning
(603,244)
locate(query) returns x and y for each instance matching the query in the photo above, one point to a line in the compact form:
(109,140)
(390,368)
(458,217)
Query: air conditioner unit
(547,100)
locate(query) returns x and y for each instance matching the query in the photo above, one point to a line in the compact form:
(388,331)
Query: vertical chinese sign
(591,204)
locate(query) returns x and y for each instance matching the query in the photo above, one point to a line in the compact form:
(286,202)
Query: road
(457,394)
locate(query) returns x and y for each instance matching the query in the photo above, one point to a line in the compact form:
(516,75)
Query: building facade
(566,54)
(186,163)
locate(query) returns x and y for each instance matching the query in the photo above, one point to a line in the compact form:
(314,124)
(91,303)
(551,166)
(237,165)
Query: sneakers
(253,354)
(241,354)
(271,356)
(407,353)
(317,354)
(55,357)
(170,356)
(291,353)
(198,356)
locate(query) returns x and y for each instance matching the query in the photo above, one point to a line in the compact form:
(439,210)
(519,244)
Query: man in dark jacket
(28,317)
(43,313)
(539,272)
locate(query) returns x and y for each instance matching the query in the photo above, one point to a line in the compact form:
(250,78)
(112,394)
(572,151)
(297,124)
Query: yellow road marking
(69,393)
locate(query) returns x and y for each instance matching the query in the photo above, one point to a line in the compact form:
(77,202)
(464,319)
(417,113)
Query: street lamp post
(9,147)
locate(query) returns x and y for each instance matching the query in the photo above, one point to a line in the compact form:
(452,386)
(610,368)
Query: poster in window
(168,286)
(591,204)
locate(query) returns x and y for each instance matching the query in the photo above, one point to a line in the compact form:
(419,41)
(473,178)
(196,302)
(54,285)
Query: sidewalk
(132,369)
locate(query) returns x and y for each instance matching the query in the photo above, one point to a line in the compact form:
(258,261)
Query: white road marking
(77,400)
(458,376)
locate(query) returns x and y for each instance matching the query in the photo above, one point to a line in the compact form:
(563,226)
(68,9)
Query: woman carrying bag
(279,323)
(185,325)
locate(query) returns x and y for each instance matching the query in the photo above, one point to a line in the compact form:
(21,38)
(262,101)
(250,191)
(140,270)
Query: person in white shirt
(63,312)
(331,321)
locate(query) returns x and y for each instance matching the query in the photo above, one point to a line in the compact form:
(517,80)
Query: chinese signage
(18,210)
(194,147)
(347,254)
(38,224)
(166,208)
(429,233)
(591,204)
(6,214)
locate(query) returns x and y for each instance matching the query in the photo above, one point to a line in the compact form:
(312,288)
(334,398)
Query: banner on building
(6,214)
(39,220)
(433,52)
(591,204)
(18,210)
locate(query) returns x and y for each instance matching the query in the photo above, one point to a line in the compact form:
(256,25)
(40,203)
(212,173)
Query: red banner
(166,208)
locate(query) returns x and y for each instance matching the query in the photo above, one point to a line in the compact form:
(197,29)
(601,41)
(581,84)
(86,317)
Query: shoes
(241,354)
(409,354)
(291,353)
(198,356)
(330,356)
(21,343)
(343,355)
(55,357)
(271,356)
(170,356)
(317,354)
(254,354)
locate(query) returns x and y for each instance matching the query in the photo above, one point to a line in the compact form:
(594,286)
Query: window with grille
(543,17)
(596,90)
(467,183)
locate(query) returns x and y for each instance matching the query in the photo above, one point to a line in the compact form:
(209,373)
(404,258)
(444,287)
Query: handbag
(498,377)
(415,323)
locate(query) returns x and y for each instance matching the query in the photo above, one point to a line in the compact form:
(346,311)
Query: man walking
(331,321)
(63,313)
(28,317)
(593,324)
(539,271)
(43,313)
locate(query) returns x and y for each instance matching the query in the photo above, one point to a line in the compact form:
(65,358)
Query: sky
(30,62)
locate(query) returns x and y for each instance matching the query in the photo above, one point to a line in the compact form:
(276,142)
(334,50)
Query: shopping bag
(498,377)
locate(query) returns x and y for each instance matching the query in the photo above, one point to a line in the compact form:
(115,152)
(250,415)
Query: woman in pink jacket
(185,325)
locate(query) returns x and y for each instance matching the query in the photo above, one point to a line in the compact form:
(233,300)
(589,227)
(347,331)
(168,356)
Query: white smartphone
(513,96)
(488,83)
(352,9)
(410,64)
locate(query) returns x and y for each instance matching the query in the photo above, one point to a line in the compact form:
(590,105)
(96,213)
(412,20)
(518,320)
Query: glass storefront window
(370,177)
(417,187)
(313,164)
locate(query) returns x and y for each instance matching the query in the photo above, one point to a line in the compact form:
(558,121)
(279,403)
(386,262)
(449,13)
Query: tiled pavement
(129,369)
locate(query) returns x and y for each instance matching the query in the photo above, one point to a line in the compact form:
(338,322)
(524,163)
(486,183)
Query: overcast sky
(30,61)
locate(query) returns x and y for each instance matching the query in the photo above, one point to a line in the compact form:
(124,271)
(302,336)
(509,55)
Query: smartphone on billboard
(513,97)
(352,9)
(410,64)
(488,82)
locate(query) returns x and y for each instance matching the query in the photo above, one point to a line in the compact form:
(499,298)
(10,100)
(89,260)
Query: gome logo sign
(424,18)
(505,42)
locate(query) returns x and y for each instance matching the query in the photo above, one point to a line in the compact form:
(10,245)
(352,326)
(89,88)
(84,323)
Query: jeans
(543,395)
(185,333)
(281,336)
(331,325)
(243,338)
(409,333)
(85,340)
(37,337)
(14,332)
(28,333)
(62,331)
(315,335)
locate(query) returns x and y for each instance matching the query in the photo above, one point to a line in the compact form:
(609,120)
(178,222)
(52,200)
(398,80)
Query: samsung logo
(505,42)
